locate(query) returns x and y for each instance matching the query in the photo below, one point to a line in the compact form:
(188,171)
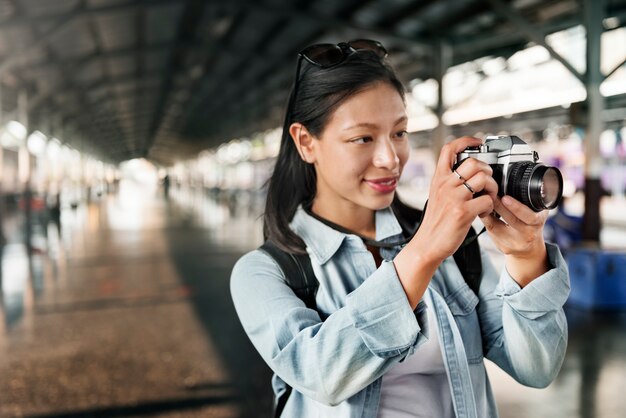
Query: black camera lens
(536,185)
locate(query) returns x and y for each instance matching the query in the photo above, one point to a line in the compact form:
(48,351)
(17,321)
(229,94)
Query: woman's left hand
(519,235)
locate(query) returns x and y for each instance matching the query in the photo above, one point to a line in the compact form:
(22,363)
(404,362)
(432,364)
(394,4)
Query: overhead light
(611,22)
(13,135)
(36,143)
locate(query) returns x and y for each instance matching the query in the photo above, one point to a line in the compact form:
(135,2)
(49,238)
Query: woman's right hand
(452,207)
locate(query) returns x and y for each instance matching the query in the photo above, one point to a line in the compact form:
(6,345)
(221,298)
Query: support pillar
(593,14)
(2,237)
(443,57)
(24,168)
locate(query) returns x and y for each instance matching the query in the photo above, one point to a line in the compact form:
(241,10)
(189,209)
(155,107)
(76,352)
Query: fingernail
(507,200)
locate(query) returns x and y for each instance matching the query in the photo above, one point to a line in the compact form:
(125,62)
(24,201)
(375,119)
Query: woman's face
(362,150)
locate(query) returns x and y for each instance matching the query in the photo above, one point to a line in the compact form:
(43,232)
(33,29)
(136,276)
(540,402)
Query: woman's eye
(402,134)
(362,140)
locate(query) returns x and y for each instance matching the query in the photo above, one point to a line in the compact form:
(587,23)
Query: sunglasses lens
(367,44)
(324,55)
(370,45)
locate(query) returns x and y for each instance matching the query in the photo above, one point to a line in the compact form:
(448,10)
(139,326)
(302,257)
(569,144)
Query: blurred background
(136,137)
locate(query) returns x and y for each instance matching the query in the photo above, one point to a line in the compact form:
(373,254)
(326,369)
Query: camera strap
(367,241)
(408,230)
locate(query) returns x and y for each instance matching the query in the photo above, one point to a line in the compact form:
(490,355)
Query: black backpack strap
(467,258)
(298,272)
(300,278)
(282,401)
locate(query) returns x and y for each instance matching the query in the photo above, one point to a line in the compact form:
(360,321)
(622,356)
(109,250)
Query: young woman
(397,331)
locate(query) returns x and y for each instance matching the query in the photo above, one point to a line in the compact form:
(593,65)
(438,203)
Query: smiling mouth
(383,185)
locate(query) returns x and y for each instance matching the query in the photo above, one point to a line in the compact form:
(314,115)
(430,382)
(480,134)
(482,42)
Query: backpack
(300,278)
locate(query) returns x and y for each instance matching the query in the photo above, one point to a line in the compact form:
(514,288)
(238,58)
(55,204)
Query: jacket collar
(322,241)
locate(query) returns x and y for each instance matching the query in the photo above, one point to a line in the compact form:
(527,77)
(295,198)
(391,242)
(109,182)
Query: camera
(517,171)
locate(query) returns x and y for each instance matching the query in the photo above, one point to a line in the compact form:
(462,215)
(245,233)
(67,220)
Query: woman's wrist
(527,266)
(415,267)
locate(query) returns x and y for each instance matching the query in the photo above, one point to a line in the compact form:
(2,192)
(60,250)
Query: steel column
(2,238)
(593,14)
(443,53)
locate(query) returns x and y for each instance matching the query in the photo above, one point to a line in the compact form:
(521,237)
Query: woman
(397,331)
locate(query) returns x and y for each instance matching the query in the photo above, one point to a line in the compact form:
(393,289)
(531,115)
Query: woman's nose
(385,155)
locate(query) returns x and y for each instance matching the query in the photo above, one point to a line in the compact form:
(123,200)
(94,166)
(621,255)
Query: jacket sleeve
(332,360)
(524,331)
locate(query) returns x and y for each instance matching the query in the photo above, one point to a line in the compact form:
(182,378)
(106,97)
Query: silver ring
(459,176)
(467,186)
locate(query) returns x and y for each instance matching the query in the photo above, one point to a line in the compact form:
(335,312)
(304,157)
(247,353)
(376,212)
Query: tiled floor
(124,311)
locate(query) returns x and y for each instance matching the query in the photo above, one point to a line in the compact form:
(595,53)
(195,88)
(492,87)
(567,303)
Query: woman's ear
(304,142)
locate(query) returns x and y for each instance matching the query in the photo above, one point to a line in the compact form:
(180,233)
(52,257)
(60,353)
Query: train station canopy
(163,79)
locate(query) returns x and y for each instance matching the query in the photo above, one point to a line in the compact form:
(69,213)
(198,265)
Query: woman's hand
(452,203)
(519,235)
(452,206)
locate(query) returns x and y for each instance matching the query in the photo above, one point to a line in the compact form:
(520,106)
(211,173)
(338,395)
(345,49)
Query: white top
(418,387)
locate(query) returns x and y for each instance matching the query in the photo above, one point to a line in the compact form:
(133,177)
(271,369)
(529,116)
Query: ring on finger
(468,187)
(459,176)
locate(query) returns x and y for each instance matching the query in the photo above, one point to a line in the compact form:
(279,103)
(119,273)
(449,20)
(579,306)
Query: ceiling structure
(163,79)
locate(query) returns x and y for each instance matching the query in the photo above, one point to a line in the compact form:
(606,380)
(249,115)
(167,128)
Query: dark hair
(320,91)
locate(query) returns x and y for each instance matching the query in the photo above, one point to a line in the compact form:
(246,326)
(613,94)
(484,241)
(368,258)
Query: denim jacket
(334,357)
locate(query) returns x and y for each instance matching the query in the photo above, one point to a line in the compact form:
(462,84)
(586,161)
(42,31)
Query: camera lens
(536,185)
(549,184)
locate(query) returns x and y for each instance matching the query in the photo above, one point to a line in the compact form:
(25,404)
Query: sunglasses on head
(329,55)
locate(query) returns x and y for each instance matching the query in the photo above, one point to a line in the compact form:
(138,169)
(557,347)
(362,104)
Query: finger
(523,212)
(481,181)
(490,222)
(480,205)
(491,188)
(471,166)
(507,215)
(447,157)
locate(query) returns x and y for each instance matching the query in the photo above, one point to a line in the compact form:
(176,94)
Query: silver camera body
(517,171)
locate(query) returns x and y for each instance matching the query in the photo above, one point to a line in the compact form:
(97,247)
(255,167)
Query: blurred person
(166,186)
(395,330)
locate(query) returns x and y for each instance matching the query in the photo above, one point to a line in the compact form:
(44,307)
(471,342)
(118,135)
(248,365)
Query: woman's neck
(355,218)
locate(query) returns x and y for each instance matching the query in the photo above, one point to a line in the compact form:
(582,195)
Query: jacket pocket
(462,304)
(463,301)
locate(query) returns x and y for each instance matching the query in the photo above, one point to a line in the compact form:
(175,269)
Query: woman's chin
(380,202)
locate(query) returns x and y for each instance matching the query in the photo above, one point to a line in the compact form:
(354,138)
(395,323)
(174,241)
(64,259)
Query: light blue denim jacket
(334,359)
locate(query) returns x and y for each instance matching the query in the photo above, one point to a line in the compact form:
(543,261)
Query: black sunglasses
(330,55)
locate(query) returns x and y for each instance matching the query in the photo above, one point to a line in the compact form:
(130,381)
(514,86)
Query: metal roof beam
(79,12)
(483,44)
(408,11)
(328,22)
(617,67)
(45,96)
(140,40)
(102,54)
(532,33)
(42,38)
(187,25)
(99,44)
(286,11)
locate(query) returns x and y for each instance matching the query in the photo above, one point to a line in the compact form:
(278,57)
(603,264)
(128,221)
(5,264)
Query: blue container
(598,278)
(582,271)
(611,272)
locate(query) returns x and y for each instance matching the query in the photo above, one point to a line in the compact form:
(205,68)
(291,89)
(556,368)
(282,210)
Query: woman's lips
(384,185)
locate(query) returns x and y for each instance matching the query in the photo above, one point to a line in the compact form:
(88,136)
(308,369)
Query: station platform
(122,309)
